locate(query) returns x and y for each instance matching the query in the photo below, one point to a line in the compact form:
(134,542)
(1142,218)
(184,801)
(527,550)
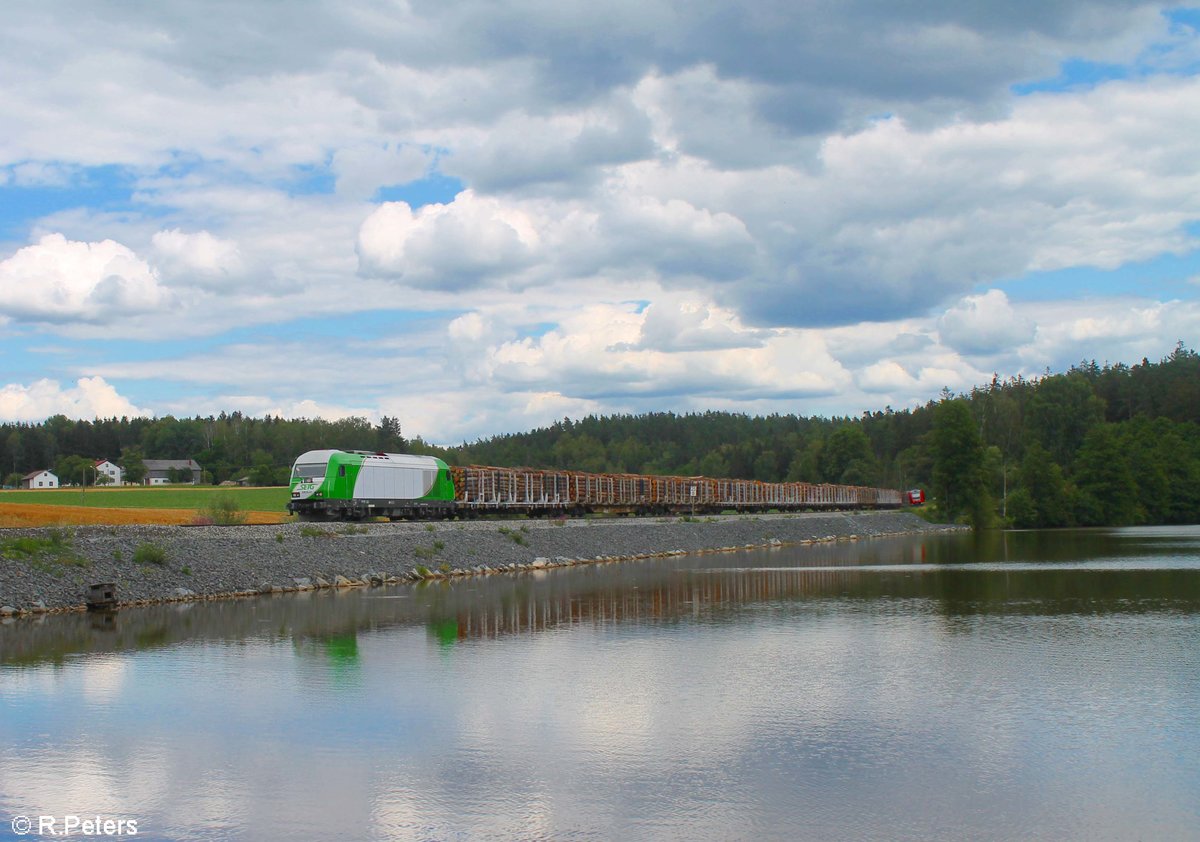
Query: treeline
(1096,445)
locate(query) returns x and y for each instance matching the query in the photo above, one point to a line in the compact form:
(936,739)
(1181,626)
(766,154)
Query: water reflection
(1075,572)
(1025,685)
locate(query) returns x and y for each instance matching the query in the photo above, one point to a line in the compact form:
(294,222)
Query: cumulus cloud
(686,325)
(198,258)
(60,280)
(984,324)
(599,352)
(452,246)
(674,238)
(532,150)
(91,397)
(1117,329)
(885,376)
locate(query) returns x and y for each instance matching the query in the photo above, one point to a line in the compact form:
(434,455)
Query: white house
(108,469)
(39,479)
(162,471)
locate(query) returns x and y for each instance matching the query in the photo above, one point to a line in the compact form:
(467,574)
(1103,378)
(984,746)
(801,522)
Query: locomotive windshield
(309,471)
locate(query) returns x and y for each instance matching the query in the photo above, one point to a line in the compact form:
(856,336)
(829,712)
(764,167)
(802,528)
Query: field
(164,505)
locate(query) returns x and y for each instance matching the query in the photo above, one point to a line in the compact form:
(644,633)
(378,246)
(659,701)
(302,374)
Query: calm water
(1031,686)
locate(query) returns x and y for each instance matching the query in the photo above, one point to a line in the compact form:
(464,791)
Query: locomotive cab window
(341,470)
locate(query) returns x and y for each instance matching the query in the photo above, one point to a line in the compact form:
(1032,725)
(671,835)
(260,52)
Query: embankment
(47,570)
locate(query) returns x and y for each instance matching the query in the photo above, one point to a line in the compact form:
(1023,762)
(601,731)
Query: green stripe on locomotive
(443,486)
(341,475)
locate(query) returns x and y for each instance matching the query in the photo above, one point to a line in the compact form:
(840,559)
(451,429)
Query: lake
(1022,685)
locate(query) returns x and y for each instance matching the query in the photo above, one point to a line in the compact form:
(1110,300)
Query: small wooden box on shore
(101,595)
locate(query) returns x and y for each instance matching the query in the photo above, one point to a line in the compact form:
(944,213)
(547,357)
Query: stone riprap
(47,570)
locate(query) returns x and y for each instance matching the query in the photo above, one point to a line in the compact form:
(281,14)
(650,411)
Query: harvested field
(17,515)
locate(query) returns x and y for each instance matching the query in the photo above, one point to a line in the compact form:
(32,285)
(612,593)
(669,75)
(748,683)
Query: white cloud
(452,246)
(262,405)
(199,258)
(599,353)
(62,280)
(1120,329)
(691,325)
(92,397)
(885,376)
(984,324)
(364,168)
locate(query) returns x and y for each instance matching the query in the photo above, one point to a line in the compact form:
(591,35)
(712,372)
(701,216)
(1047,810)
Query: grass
(316,532)
(517,536)
(57,546)
(149,553)
(430,552)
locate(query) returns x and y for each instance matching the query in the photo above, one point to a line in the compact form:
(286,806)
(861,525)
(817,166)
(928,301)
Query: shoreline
(52,569)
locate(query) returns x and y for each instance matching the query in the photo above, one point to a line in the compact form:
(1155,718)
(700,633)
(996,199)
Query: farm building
(39,479)
(163,471)
(108,469)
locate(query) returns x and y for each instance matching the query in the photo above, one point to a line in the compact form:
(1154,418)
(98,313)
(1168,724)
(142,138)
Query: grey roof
(168,464)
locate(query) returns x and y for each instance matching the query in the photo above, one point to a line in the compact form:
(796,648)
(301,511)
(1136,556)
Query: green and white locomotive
(351,485)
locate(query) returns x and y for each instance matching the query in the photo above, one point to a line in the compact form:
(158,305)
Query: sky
(481,216)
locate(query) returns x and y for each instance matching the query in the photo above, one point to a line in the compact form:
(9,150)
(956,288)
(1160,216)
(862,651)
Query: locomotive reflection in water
(351,485)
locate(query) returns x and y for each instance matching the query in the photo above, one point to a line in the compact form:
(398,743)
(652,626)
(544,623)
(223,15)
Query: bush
(517,537)
(150,554)
(223,510)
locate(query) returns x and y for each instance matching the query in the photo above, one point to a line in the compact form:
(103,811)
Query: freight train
(355,484)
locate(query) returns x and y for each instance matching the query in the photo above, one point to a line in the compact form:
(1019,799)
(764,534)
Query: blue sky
(483,216)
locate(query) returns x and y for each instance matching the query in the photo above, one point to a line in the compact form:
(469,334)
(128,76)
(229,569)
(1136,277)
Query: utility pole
(83,483)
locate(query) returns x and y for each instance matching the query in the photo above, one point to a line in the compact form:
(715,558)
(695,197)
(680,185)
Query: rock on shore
(165,563)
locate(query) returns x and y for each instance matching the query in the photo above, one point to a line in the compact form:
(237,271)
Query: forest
(1095,445)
